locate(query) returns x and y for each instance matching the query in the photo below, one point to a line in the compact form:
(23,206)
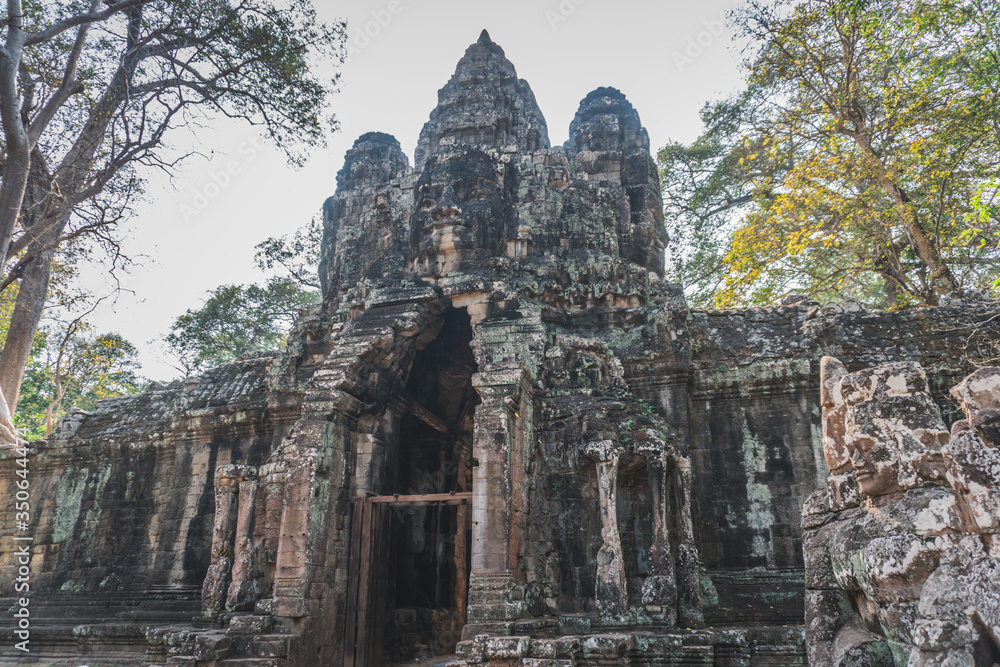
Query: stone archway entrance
(375,519)
(410,557)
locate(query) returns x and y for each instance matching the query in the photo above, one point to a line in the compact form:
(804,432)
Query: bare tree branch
(81,19)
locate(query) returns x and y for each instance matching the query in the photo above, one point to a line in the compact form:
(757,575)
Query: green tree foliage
(296,255)
(75,370)
(860,162)
(90,90)
(70,365)
(236,320)
(7,299)
(705,192)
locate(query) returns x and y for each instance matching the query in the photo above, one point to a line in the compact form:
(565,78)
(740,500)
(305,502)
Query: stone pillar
(295,540)
(660,587)
(272,480)
(244,589)
(213,591)
(612,596)
(689,612)
(494,599)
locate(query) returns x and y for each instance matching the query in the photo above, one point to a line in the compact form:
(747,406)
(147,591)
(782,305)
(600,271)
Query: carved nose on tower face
(858,459)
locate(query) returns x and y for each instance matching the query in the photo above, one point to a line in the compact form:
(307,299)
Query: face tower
(540,269)
(489,201)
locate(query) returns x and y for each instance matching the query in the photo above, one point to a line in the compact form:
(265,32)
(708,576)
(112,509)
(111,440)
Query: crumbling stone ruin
(503,434)
(901,549)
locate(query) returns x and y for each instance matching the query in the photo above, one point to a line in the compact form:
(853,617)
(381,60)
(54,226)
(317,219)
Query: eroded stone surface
(900,577)
(495,322)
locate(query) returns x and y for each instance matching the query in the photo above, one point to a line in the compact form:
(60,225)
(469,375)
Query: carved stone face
(463,207)
(876,465)
(894,430)
(979,396)
(647,235)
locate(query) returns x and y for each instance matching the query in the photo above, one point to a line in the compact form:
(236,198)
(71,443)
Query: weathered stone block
(506,647)
(250,624)
(211,647)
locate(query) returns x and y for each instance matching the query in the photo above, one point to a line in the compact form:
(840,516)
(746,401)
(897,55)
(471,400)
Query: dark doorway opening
(374,521)
(411,548)
(434,455)
(430,545)
(635,522)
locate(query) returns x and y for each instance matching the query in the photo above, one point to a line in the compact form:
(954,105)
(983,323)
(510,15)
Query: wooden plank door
(366,588)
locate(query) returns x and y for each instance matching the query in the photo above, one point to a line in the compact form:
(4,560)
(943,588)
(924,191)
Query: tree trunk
(28,307)
(925,246)
(942,279)
(53,409)
(17,162)
(51,215)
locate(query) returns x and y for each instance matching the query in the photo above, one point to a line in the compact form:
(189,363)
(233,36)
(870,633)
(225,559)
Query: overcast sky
(668,57)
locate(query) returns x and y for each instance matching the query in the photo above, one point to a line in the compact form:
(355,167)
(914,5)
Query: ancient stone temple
(503,435)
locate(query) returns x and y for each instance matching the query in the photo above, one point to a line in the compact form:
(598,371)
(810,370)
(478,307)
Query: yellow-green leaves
(864,150)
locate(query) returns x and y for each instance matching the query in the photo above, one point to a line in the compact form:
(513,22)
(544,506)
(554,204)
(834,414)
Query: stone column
(612,596)
(213,591)
(272,480)
(244,589)
(689,612)
(494,601)
(660,587)
(296,539)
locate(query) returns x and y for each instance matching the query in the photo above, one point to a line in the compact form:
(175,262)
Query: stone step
(251,624)
(150,615)
(264,607)
(259,646)
(270,646)
(252,662)
(203,622)
(212,646)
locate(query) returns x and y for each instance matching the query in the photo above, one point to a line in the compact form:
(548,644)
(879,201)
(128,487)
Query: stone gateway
(504,436)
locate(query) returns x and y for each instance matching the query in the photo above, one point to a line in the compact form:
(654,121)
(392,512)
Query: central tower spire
(484,104)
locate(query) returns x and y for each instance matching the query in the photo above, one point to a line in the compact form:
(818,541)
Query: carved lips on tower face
(462,211)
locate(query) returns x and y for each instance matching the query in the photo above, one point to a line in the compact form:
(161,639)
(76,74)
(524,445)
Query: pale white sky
(668,57)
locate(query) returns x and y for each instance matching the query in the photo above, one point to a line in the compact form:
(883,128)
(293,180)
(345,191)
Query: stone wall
(756,429)
(123,501)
